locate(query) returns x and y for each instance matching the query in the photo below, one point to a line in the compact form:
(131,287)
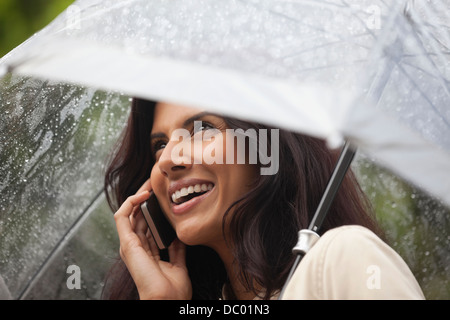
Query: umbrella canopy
(375,73)
(330,69)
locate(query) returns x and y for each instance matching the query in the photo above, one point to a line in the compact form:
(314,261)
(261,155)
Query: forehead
(168,116)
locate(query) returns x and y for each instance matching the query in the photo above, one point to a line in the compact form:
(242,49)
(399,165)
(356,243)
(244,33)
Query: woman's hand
(154,278)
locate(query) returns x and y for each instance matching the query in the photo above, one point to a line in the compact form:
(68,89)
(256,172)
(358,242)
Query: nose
(175,159)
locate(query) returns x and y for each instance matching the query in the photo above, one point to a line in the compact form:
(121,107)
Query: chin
(192,236)
(189,241)
(187,235)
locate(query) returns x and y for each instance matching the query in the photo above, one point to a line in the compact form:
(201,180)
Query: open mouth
(190,192)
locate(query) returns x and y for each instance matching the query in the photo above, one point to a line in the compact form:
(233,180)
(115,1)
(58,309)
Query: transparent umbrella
(374,73)
(54,140)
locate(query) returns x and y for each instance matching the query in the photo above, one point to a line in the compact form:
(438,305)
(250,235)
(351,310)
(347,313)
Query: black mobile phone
(160,228)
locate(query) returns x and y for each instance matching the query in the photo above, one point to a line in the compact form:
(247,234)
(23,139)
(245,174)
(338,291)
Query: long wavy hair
(265,221)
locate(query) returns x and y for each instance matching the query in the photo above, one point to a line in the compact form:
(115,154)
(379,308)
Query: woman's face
(191,178)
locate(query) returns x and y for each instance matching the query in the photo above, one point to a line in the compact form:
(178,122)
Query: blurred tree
(19,19)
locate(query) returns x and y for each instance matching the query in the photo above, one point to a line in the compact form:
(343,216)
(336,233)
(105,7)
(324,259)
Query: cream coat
(351,262)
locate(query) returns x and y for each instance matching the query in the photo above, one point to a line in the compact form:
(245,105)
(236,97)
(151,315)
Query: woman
(234,239)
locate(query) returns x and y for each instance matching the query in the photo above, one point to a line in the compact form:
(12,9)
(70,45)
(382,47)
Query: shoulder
(352,240)
(352,262)
(346,233)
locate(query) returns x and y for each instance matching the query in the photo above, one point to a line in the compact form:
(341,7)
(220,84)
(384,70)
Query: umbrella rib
(94,14)
(328,3)
(414,20)
(332,66)
(362,22)
(430,13)
(434,76)
(337,34)
(324,45)
(443,118)
(63,240)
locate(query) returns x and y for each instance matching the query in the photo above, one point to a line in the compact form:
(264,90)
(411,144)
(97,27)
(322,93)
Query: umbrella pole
(344,162)
(308,237)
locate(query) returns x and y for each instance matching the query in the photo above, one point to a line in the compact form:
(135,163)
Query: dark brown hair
(265,221)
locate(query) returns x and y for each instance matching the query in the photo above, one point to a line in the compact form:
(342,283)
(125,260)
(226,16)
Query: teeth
(190,189)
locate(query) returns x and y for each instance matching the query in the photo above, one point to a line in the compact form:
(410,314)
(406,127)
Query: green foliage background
(20,19)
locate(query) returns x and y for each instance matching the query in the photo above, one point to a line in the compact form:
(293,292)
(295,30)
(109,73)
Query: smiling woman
(235,226)
(198,219)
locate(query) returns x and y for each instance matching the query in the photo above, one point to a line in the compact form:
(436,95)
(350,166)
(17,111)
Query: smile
(187,193)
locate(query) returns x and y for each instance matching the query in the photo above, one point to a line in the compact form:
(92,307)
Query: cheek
(158,186)
(241,148)
(213,149)
(154,177)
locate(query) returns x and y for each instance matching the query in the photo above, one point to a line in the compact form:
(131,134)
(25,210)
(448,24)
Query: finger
(139,222)
(146,186)
(144,242)
(141,230)
(153,247)
(121,217)
(131,203)
(133,219)
(177,253)
(134,213)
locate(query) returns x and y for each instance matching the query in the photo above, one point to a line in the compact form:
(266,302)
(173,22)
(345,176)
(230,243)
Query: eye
(157,146)
(200,126)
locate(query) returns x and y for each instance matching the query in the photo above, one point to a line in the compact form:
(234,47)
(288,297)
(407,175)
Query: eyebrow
(157,135)
(185,124)
(196,117)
